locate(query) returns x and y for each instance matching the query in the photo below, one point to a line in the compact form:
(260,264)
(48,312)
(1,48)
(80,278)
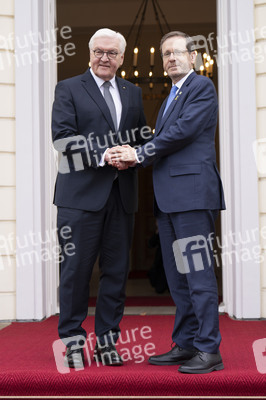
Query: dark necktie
(170,98)
(110,102)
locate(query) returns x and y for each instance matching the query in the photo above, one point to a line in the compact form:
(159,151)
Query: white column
(32,18)
(240,223)
(260,22)
(50,74)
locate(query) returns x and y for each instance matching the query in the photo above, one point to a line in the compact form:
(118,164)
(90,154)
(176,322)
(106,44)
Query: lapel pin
(179,94)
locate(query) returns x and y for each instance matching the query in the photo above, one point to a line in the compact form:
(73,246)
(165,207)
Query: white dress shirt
(182,81)
(114,92)
(117,100)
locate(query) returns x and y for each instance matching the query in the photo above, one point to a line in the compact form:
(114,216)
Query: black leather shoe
(175,356)
(107,355)
(202,363)
(74,358)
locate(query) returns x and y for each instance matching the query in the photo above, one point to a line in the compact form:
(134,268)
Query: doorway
(35,287)
(85,18)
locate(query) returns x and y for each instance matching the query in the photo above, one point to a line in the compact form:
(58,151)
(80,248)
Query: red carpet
(28,365)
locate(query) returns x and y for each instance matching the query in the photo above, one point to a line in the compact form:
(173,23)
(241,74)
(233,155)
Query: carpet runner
(31,362)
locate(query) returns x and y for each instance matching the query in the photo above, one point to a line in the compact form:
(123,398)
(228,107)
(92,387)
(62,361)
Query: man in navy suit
(188,196)
(96,203)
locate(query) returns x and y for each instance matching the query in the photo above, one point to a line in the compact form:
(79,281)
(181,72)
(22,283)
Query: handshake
(121,157)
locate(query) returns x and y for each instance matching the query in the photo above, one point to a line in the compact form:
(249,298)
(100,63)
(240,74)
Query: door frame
(37,283)
(237,127)
(36,269)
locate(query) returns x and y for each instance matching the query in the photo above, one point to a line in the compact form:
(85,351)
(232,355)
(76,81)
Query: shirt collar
(100,81)
(182,81)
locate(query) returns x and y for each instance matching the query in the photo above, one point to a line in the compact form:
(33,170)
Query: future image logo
(192,254)
(259,350)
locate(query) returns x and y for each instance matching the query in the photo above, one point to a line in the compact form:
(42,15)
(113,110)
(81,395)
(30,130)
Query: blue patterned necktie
(170,98)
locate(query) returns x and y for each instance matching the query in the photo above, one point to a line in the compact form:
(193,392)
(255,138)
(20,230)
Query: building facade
(28,272)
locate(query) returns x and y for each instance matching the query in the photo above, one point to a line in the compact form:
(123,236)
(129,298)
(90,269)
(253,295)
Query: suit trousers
(194,287)
(107,233)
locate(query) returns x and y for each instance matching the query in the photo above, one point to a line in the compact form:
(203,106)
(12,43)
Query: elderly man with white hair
(92,113)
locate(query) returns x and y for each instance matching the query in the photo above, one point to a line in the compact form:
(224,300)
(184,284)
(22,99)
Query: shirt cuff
(136,156)
(102,162)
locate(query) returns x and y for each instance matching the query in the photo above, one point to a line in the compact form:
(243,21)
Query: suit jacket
(82,130)
(185,174)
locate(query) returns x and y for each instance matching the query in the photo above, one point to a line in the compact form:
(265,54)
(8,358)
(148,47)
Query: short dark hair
(190,44)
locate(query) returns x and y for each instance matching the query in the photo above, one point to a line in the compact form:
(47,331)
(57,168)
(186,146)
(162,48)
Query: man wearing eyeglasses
(96,203)
(188,195)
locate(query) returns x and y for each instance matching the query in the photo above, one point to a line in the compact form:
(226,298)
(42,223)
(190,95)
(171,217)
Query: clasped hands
(121,157)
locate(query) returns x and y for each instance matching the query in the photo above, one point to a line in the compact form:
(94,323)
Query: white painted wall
(7,165)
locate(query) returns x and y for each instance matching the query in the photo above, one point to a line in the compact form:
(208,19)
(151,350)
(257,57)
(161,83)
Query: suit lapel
(124,96)
(94,92)
(174,106)
(159,118)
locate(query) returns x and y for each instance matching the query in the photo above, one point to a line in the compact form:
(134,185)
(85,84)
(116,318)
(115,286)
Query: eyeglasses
(177,53)
(100,53)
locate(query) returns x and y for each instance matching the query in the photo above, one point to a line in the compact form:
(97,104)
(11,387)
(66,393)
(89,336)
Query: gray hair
(105,32)
(190,44)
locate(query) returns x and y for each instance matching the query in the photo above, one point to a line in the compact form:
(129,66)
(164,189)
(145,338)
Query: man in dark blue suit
(96,203)
(188,195)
